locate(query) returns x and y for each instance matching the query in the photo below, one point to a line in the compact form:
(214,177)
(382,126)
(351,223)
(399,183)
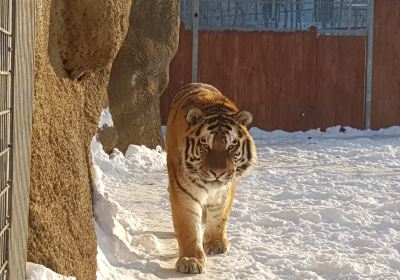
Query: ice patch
(288,215)
(312,217)
(333,269)
(392,206)
(333,215)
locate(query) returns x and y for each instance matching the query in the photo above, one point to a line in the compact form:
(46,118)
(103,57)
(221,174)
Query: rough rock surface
(91,33)
(140,72)
(108,137)
(74,39)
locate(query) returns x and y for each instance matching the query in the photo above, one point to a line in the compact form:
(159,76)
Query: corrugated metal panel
(386,66)
(288,80)
(16,92)
(5,132)
(22,103)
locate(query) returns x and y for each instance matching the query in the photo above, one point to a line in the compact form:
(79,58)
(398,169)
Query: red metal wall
(180,72)
(288,80)
(386,65)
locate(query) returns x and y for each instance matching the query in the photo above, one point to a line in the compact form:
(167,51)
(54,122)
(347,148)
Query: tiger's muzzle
(220,165)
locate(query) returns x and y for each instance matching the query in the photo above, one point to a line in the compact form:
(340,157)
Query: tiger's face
(218,146)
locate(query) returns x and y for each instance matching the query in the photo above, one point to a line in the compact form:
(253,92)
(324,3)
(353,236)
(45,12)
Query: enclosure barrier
(5,132)
(16,100)
(330,17)
(295,64)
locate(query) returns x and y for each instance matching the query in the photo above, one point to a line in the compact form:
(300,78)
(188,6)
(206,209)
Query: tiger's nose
(218,172)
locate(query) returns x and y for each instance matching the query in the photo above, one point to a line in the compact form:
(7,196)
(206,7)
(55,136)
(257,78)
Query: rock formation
(140,72)
(76,42)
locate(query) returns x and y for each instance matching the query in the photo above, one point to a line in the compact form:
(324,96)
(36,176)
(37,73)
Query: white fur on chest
(210,194)
(219,195)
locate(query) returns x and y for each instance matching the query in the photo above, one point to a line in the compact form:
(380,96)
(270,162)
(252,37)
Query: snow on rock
(39,272)
(318,205)
(105,118)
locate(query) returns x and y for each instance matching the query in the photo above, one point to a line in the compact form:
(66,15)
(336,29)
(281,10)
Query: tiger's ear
(194,116)
(244,118)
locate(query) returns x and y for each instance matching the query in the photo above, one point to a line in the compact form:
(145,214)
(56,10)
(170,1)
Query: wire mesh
(341,17)
(5,131)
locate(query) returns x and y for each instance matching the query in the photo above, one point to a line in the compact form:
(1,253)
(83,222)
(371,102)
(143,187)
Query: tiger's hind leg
(215,239)
(186,216)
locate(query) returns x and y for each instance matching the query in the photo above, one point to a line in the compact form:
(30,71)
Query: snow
(105,118)
(40,272)
(319,205)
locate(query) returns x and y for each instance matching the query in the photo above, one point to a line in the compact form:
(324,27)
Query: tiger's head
(218,145)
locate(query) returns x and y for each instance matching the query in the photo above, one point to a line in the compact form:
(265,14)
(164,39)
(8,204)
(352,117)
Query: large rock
(140,72)
(108,137)
(76,42)
(92,31)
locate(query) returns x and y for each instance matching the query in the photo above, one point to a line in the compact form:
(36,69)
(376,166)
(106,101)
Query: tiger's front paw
(216,247)
(190,265)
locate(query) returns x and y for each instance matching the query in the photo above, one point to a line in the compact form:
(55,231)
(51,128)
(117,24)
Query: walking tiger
(208,149)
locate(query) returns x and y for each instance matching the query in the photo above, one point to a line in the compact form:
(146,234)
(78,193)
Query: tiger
(208,149)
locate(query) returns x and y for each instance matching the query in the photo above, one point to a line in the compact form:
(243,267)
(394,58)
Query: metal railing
(331,17)
(5,131)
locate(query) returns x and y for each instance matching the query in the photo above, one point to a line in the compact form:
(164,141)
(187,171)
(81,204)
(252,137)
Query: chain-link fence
(336,17)
(5,130)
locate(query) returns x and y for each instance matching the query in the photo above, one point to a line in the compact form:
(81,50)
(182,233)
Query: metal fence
(331,17)
(5,131)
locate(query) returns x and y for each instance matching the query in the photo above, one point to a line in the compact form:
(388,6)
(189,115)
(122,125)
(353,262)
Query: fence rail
(331,17)
(5,131)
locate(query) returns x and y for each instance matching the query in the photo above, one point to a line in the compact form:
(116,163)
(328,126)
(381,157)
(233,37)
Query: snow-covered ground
(317,206)
(39,272)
